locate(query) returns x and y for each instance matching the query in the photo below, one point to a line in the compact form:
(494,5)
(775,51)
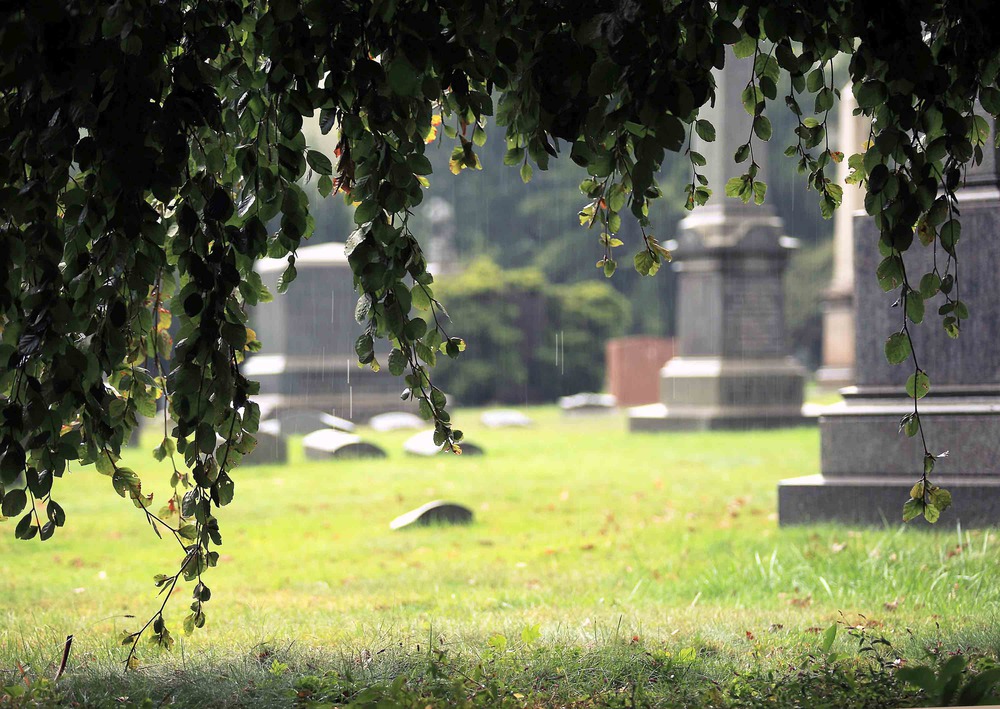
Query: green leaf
(941,498)
(931,513)
(25,529)
(815,80)
(828,637)
(287,276)
(319,162)
(419,164)
(526,172)
(397,362)
(949,234)
(917,385)
(767,66)
(745,47)
(366,211)
(762,127)
(897,348)
(919,675)
(990,100)
(930,284)
(734,186)
(224,489)
(912,509)
(13,502)
(645,264)
(870,94)
(705,130)
(914,306)
(751,98)
(890,273)
(421,297)
(403,78)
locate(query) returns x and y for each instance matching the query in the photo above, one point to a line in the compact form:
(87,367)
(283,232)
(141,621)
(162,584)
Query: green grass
(626,550)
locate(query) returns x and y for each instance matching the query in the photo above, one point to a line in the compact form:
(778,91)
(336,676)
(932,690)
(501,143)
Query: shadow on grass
(517,673)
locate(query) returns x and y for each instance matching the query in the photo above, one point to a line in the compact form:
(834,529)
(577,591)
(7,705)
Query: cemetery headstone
(505,418)
(329,444)
(732,368)
(423,444)
(867,465)
(587,403)
(271,448)
(633,367)
(437,512)
(307,360)
(396,421)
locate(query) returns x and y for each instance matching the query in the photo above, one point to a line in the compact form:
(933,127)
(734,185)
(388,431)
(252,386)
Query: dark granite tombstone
(731,368)
(867,465)
(437,512)
(308,336)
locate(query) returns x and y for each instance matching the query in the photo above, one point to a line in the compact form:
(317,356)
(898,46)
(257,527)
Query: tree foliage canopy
(148,147)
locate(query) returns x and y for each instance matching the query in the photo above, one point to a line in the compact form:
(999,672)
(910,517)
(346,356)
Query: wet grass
(601,565)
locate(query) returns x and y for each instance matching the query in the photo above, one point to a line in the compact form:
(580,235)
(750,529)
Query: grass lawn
(602,567)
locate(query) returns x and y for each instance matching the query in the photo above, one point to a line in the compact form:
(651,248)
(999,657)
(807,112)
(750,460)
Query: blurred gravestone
(271,448)
(423,444)
(437,512)
(731,368)
(395,421)
(330,444)
(867,464)
(587,403)
(308,335)
(505,418)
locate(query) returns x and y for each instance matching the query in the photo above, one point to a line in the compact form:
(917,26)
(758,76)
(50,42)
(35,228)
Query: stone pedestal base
(878,500)
(868,466)
(711,393)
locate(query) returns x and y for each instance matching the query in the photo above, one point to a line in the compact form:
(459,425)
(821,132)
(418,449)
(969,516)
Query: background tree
(145,145)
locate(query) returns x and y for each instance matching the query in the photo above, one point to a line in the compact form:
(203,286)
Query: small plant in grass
(955,679)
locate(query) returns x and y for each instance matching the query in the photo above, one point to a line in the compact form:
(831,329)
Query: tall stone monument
(867,465)
(731,368)
(308,335)
(838,302)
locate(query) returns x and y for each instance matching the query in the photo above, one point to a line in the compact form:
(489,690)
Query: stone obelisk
(838,302)
(732,368)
